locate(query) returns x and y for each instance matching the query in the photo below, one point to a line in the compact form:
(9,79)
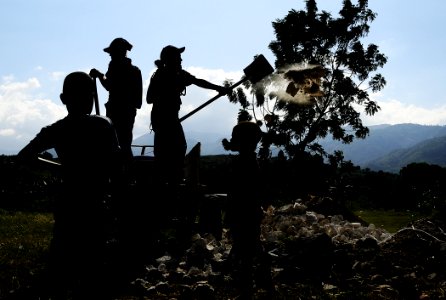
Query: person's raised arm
(208,85)
(97,74)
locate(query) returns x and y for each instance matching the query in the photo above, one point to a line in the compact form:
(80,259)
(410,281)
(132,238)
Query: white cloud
(7,132)
(396,112)
(9,86)
(22,112)
(142,121)
(215,76)
(57,76)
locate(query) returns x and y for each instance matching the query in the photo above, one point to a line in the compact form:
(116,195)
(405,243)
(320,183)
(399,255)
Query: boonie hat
(170,51)
(118,44)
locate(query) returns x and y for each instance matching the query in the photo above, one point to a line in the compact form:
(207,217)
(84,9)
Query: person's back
(246,135)
(243,207)
(86,146)
(88,150)
(125,85)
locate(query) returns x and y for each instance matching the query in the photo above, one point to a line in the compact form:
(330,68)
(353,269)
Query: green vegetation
(322,98)
(24,243)
(390,220)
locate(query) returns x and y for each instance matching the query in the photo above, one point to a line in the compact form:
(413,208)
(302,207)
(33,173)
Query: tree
(424,186)
(328,73)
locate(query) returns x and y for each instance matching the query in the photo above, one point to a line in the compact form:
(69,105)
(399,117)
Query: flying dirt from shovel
(300,84)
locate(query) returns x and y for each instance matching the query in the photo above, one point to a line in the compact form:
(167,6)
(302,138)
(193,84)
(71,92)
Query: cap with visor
(170,52)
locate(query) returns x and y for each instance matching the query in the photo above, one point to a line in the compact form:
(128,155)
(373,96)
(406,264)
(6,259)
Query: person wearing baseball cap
(169,52)
(123,81)
(167,84)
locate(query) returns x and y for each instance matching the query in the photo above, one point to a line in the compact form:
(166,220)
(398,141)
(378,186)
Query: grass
(390,220)
(24,243)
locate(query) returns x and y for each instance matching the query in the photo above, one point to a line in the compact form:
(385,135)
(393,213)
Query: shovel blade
(258,69)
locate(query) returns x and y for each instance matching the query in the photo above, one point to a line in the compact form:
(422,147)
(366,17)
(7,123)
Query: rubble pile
(310,254)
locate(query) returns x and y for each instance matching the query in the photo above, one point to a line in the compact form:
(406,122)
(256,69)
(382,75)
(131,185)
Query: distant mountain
(431,151)
(387,148)
(384,147)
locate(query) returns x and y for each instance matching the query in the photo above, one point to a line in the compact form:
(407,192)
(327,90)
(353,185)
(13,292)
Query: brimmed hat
(170,51)
(118,44)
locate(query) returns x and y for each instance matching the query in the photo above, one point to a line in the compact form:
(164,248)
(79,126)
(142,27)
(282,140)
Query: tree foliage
(328,74)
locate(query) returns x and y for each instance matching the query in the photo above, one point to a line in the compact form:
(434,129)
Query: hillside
(387,148)
(381,150)
(431,151)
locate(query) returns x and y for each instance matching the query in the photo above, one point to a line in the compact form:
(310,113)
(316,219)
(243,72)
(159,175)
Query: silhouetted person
(123,81)
(88,150)
(244,205)
(166,87)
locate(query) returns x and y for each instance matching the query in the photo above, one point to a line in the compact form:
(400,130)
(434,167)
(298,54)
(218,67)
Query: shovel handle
(212,100)
(95,95)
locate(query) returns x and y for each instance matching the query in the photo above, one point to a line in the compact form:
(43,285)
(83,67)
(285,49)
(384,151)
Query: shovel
(256,71)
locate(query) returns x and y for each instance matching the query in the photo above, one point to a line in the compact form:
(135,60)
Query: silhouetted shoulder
(101,120)
(248,127)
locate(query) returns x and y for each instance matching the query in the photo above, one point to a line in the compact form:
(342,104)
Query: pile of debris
(311,254)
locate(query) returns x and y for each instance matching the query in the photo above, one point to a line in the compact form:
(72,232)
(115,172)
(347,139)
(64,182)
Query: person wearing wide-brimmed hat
(123,81)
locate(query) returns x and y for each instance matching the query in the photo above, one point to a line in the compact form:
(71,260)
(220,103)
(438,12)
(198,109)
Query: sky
(44,40)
